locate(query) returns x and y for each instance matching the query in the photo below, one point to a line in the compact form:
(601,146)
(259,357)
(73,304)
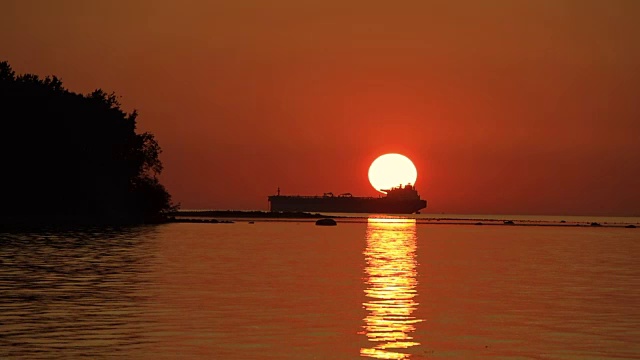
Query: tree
(68,157)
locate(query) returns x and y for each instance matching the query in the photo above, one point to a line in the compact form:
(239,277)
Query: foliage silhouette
(73,158)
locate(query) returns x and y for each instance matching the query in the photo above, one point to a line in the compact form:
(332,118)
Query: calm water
(291,290)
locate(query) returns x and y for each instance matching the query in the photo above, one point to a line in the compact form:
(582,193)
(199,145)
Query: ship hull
(346,204)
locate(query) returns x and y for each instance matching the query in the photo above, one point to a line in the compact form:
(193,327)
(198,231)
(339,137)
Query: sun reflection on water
(391,287)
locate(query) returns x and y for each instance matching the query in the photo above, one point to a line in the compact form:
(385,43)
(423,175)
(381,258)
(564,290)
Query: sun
(392,170)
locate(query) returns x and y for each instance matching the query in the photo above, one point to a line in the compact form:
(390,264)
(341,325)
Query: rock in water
(326,222)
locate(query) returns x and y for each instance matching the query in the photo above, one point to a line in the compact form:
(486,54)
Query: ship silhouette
(398,200)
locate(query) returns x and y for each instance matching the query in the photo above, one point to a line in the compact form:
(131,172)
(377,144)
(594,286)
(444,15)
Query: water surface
(390,289)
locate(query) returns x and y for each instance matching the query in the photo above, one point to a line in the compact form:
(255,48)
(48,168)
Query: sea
(373,287)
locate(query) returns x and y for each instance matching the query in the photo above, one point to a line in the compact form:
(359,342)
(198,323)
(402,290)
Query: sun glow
(391,170)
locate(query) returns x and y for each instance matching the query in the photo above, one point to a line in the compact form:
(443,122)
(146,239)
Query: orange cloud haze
(527,107)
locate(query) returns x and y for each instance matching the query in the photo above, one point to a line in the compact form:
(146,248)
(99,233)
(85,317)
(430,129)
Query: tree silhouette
(68,157)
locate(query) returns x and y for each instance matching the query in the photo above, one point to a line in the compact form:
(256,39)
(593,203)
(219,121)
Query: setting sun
(391,170)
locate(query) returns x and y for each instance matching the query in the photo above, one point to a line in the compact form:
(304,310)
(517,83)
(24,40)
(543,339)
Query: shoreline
(230,216)
(253,216)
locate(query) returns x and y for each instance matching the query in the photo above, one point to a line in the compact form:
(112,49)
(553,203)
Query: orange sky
(526,107)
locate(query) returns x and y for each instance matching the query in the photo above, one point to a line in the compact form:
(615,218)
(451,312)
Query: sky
(505,107)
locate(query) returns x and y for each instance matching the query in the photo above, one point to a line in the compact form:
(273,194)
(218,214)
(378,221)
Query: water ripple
(74,293)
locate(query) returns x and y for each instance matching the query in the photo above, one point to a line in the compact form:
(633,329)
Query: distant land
(247,214)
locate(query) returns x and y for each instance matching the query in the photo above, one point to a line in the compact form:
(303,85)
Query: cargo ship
(398,200)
